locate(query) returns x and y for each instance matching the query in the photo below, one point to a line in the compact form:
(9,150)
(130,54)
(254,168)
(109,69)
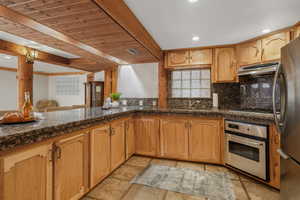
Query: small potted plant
(115,99)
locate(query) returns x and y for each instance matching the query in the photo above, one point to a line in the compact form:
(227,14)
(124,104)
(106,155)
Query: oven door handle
(239,140)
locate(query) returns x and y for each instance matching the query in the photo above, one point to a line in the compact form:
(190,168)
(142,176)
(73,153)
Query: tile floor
(117,186)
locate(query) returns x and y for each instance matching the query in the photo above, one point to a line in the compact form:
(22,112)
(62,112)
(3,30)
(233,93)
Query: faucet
(191,104)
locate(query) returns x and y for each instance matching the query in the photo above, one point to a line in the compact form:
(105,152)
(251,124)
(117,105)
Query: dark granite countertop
(63,122)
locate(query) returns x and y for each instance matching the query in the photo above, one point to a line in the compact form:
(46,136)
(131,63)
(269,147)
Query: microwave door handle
(275,113)
(235,139)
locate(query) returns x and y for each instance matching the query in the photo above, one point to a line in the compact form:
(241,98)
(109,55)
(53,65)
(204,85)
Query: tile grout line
(126,192)
(244,187)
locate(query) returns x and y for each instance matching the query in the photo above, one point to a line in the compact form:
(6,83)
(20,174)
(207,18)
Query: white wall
(67,100)
(138,81)
(8,90)
(40,88)
(99,76)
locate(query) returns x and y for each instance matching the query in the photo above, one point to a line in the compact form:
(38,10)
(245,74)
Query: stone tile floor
(117,186)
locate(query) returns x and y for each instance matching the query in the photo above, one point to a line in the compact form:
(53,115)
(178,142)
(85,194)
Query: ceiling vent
(133,51)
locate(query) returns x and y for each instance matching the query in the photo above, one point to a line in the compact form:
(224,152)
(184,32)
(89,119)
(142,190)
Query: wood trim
(45,73)
(162,85)
(28,22)
(122,15)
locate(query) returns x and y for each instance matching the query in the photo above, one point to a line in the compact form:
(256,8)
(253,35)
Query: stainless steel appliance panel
(290,177)
(291,71)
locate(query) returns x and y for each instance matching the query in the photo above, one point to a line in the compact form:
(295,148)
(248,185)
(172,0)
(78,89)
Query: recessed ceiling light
(7,57)
(196,38)
(193,1)
(266,31)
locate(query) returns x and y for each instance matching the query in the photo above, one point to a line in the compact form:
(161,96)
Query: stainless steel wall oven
(247,148)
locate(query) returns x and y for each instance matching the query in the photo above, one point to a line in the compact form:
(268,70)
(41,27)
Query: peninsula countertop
(57,123)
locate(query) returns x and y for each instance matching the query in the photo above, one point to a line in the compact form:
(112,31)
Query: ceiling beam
(18,18)
(122,15)
(17,50)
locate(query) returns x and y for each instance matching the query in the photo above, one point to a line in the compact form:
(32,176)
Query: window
(67,85)
(190,83)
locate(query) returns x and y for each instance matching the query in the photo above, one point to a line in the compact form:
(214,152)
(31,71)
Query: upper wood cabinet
(174,138)
(205,141)
(130,138)
(271,46)
(201,57)
(224,68)
(147,136)
(117,148)
(249,53)
(27,175)
(99,154)
(178,58)
(71,167)
(181,58)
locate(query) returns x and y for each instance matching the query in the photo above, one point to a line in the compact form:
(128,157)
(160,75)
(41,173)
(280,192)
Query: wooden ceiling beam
(122,15)
(18,18)
(15,49)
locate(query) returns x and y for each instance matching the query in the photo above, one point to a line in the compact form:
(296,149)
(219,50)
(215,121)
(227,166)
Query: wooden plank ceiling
(83,21)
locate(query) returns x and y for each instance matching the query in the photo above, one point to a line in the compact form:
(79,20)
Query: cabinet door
(99,154)
(130,138)
(147,136)
(70,181)
(249,53)
(225,65)
(178,58)
(174,138)
(297,32)
(272,46)
(117,148)
(201,57)
(27,175)
(205,141)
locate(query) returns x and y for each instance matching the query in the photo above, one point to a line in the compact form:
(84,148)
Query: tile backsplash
(256,93)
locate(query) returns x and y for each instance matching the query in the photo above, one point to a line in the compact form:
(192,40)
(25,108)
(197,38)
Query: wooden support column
(90,77)
(25,80)
(110,81)
(162,85)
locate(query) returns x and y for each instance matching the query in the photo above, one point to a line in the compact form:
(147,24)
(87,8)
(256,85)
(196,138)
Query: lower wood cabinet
(205,141)
(71,167)
(297,32)
(147,136)
(130,138)
(99,154)
(174,138)
(117,142)
(27,175)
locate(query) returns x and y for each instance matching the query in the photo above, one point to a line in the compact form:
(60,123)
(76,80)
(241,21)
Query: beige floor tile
(127,172)
(140,192)
(215,168)
(88,198)
(261,192)
(190,165)
(164,162)
(138,161)
(110,189)
(239,191)
(180,196)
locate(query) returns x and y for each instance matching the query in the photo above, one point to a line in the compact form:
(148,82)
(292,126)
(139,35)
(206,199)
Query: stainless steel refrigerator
(288,119)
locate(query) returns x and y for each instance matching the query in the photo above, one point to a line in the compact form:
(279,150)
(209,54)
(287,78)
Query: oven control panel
(246,128)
